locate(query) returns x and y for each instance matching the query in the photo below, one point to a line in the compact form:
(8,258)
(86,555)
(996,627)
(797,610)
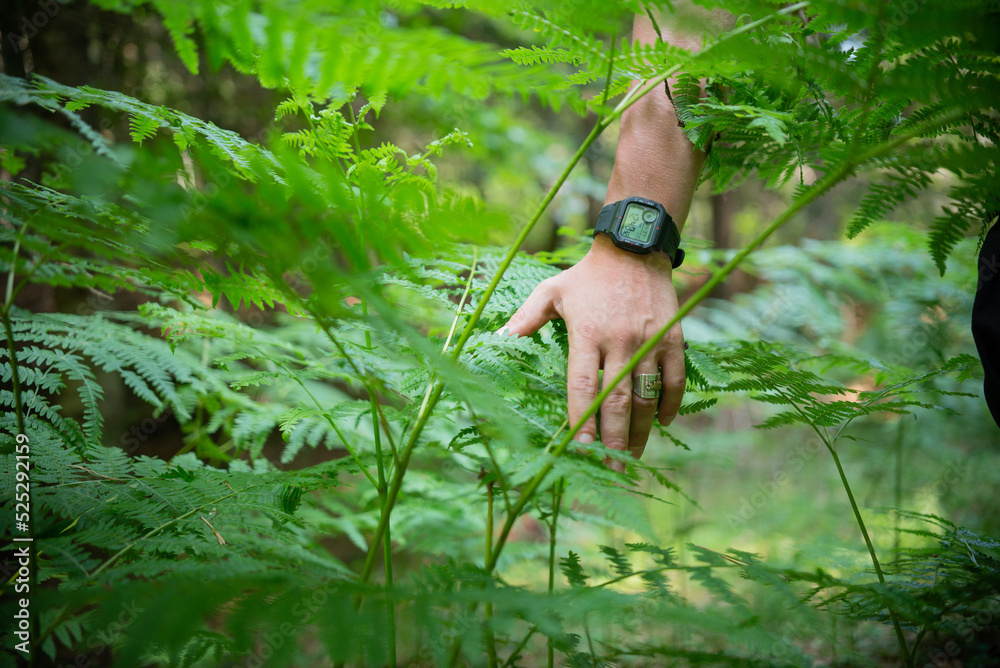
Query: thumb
(536,310)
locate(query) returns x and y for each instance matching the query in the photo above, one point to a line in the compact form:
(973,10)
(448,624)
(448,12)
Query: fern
(288,313)
(573,571)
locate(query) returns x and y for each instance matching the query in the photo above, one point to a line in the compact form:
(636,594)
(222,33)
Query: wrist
(604,251)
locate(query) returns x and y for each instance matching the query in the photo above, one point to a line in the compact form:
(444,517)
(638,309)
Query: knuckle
(615,443)
(617,403)
(643,404)
(589,331)
(549,286)
(585,385)
(676,385)
(632,337)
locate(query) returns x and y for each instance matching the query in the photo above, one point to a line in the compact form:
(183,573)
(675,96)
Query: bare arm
(614,300)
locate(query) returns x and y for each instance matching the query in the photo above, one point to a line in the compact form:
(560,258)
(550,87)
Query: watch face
(638,223)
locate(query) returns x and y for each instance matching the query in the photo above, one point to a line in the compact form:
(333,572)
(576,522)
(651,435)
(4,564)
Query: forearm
(654,158)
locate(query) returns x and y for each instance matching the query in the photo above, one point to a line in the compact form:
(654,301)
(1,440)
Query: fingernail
(585,438)
(503,331)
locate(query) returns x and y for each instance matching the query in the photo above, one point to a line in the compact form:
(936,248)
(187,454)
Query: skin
(613,300)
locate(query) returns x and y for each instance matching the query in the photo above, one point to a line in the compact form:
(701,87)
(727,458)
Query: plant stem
(390,607)
(557,490)
(155,530)
(387,543)
(15,377)
(871,550)
(520,646)
(898,485)
(461,302)
(333,424)
(660,569)
(8,301)
(491,647)
(431,397)
(499,472)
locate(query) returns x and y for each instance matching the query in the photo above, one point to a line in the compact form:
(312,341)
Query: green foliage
(373,383)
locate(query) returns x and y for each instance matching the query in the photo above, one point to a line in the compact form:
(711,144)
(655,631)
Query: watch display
(638,221)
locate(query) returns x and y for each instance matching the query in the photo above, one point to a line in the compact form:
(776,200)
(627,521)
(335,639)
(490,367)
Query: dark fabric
(986,318)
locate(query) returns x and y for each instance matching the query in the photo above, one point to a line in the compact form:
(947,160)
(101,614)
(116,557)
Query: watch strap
(670,242)
(606,219)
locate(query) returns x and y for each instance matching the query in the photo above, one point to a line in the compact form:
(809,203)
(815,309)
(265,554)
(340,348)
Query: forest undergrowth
(349,477)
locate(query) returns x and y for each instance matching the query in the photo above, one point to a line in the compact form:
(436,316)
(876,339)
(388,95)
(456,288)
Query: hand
(613,301)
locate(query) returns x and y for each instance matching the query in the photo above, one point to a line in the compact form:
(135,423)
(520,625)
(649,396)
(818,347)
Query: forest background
(225,341)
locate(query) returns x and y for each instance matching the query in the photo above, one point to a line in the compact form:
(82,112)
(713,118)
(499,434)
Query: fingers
(671,360)
(537,310)
(616,410)
(582,383)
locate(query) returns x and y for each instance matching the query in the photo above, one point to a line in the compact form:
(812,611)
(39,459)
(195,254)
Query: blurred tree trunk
(14,44)
(723,206)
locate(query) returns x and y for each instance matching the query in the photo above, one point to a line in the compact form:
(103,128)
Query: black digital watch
(641,225)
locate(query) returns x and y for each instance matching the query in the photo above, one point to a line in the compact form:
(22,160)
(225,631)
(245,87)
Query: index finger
(582,384)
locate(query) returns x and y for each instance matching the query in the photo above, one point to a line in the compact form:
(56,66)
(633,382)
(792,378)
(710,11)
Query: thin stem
(552,439)
(387,543)
(15,376)
(461,302)
(590,642)
(830,443)
(491,646)
(336,430)
(9,294)
(871,550)
(152,532)
(430,399)
(660,569)
(898,486)
(388,432)
(916,643)
(520,646)
(499,472)
(557,491)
